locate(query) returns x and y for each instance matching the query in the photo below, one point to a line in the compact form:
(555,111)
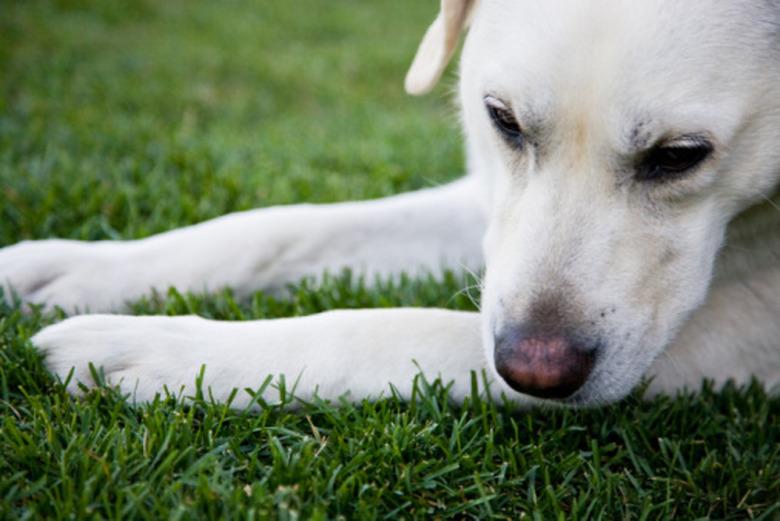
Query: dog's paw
(140,355)
(77,276)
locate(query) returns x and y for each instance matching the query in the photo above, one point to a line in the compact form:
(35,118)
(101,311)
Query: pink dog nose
(543,366)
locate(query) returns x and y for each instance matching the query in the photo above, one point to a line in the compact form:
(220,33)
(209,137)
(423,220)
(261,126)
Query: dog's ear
(438,45)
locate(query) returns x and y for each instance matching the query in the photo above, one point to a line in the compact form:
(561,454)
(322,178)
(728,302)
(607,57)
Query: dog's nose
(546,366)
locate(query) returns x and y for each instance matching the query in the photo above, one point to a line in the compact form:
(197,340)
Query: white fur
(644,265)
(261,249)
(142,354)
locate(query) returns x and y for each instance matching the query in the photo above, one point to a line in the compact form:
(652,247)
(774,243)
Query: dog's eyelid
(495,102)
(691,139)
(504,121)
(687,141)
(671,158)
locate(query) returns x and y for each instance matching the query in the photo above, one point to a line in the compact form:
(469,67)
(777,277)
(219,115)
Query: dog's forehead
(649,57)
(652,34)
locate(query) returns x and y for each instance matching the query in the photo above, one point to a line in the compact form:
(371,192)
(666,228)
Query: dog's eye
(673,158)
(504,120)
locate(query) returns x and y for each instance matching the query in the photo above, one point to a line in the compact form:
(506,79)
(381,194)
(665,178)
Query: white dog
(622,160)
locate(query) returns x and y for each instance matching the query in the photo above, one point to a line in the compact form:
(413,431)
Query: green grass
(122,118)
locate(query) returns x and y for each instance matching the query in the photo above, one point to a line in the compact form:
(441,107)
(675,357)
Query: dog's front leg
(260,249)
(360,352)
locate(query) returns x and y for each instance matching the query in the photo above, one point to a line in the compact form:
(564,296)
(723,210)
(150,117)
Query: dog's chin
(590,396)
(605,386)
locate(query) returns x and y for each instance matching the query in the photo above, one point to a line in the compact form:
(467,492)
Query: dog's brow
(640,136)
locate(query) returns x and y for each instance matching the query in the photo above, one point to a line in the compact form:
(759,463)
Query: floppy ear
(437,45)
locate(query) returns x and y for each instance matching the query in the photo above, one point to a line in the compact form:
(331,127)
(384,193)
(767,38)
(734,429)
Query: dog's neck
(752,245)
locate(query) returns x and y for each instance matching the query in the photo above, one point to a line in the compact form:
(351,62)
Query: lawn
(123,118)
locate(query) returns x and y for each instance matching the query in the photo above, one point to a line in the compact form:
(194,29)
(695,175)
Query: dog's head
(618,139)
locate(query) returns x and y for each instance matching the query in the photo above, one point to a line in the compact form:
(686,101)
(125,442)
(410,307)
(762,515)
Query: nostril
(546,366)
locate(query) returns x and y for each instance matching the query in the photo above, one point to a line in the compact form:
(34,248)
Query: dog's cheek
(684,270)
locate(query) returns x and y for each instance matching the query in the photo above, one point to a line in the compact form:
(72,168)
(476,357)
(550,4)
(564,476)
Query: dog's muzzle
(546,366)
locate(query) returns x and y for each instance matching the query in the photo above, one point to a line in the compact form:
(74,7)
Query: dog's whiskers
(673,362)
(478,285)
(771,202)
(467,291)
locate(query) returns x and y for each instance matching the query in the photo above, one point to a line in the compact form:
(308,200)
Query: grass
(122,118)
